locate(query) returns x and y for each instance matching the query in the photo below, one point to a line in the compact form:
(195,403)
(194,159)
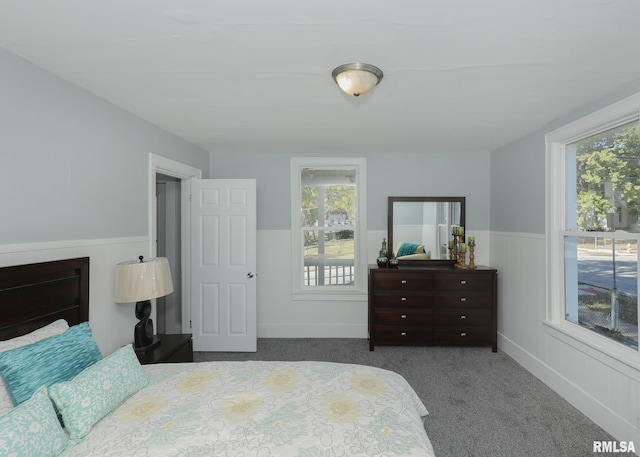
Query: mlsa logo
(614,446)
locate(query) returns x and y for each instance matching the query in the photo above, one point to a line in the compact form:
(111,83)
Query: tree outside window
(329,218)
(601,256)
(329,228)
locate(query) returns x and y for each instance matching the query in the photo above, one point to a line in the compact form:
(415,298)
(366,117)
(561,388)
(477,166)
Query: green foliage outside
(602,303)
(334,249)
(340,200)
(608,182)
(606,163)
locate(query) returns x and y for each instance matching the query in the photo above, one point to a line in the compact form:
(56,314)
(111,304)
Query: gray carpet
(481,404)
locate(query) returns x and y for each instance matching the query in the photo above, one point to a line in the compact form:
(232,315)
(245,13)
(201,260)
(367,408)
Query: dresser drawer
(463,299)
(402,336)
(402,317)
(462,335)
(462,316)
(477,282)
(399,280)
(402,299)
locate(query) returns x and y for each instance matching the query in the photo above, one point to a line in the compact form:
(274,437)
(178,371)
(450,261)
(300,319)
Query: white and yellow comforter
(265,409)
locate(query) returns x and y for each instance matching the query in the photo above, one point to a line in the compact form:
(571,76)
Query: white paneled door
(223,265)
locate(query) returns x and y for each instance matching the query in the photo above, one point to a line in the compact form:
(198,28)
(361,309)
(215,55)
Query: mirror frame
(424,263)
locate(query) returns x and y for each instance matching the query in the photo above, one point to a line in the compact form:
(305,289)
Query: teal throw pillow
(32,429)
(47,362)
(97,391)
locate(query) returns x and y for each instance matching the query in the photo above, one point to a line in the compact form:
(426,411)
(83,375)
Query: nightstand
(172,349)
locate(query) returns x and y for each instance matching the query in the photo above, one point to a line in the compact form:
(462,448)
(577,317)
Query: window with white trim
(328,225)
(593,204)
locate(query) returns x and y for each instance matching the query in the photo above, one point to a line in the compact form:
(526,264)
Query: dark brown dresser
(433,306)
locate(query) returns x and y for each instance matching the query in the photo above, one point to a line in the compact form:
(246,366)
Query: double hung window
(328,204)
(600,239)
(594,206)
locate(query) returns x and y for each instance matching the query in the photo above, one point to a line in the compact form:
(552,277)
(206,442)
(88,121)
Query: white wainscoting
(112,324)
(280,316)
(596,384)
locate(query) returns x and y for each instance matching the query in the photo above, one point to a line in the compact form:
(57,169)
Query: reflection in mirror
(420,227)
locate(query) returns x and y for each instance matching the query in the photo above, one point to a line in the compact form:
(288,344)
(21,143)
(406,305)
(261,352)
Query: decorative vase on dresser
(443,306)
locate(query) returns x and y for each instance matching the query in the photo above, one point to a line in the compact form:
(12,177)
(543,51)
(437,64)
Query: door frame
(185,173)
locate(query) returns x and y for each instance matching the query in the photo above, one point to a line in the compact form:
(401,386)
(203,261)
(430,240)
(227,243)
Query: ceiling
(255,75)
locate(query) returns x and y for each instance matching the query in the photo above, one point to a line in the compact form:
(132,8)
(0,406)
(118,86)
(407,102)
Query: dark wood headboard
(37,294)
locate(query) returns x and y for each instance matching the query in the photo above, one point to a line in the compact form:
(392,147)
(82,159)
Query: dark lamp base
(143,331)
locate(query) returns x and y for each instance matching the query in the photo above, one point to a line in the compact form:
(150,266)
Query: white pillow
(54,328)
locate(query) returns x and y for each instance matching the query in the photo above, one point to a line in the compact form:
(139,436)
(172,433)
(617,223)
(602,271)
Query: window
(601,264)
(593,204)
(328,224)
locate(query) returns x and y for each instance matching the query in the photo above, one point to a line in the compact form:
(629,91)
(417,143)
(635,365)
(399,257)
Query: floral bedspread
(265,409)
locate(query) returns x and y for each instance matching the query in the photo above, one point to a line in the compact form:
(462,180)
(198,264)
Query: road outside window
(602,226)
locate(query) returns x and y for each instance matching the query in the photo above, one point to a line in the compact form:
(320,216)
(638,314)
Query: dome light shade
(357,78)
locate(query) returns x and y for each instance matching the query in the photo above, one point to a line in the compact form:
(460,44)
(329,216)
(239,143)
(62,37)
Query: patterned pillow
(54,359)
(97,391)
(54,328)
(32,428)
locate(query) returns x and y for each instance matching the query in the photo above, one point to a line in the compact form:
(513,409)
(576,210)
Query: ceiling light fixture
(357,78)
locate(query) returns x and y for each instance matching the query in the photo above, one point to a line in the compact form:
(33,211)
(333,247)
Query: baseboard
(312,331)
(612,423)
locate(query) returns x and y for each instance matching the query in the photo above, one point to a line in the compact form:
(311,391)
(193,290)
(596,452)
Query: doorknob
(249,275)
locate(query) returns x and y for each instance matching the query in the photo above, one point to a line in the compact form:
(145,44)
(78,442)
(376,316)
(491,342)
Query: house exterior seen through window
(328,204)
(602,205)
(329,218)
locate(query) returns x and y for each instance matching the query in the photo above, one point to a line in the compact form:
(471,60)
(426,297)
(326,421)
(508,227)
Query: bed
(113,406)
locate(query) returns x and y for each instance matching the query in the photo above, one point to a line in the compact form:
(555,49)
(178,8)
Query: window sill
(615,355)
(312,295)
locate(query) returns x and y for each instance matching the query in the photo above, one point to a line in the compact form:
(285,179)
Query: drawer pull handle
(404,299)
(463,299)
(403,316)
(463,282)
(463,317)
(404,281)
(403,334)
(463,334)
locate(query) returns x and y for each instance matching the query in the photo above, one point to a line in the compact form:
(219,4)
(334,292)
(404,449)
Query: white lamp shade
(138,281)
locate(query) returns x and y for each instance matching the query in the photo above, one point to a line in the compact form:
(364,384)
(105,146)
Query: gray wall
(517,186)
(392,174)
(518,174)
(73,166)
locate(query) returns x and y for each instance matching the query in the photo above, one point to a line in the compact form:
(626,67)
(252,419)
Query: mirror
(423,225)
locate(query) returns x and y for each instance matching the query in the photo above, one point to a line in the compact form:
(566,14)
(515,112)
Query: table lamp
(140,282)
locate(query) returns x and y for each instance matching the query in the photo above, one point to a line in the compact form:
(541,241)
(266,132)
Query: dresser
(433,306)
